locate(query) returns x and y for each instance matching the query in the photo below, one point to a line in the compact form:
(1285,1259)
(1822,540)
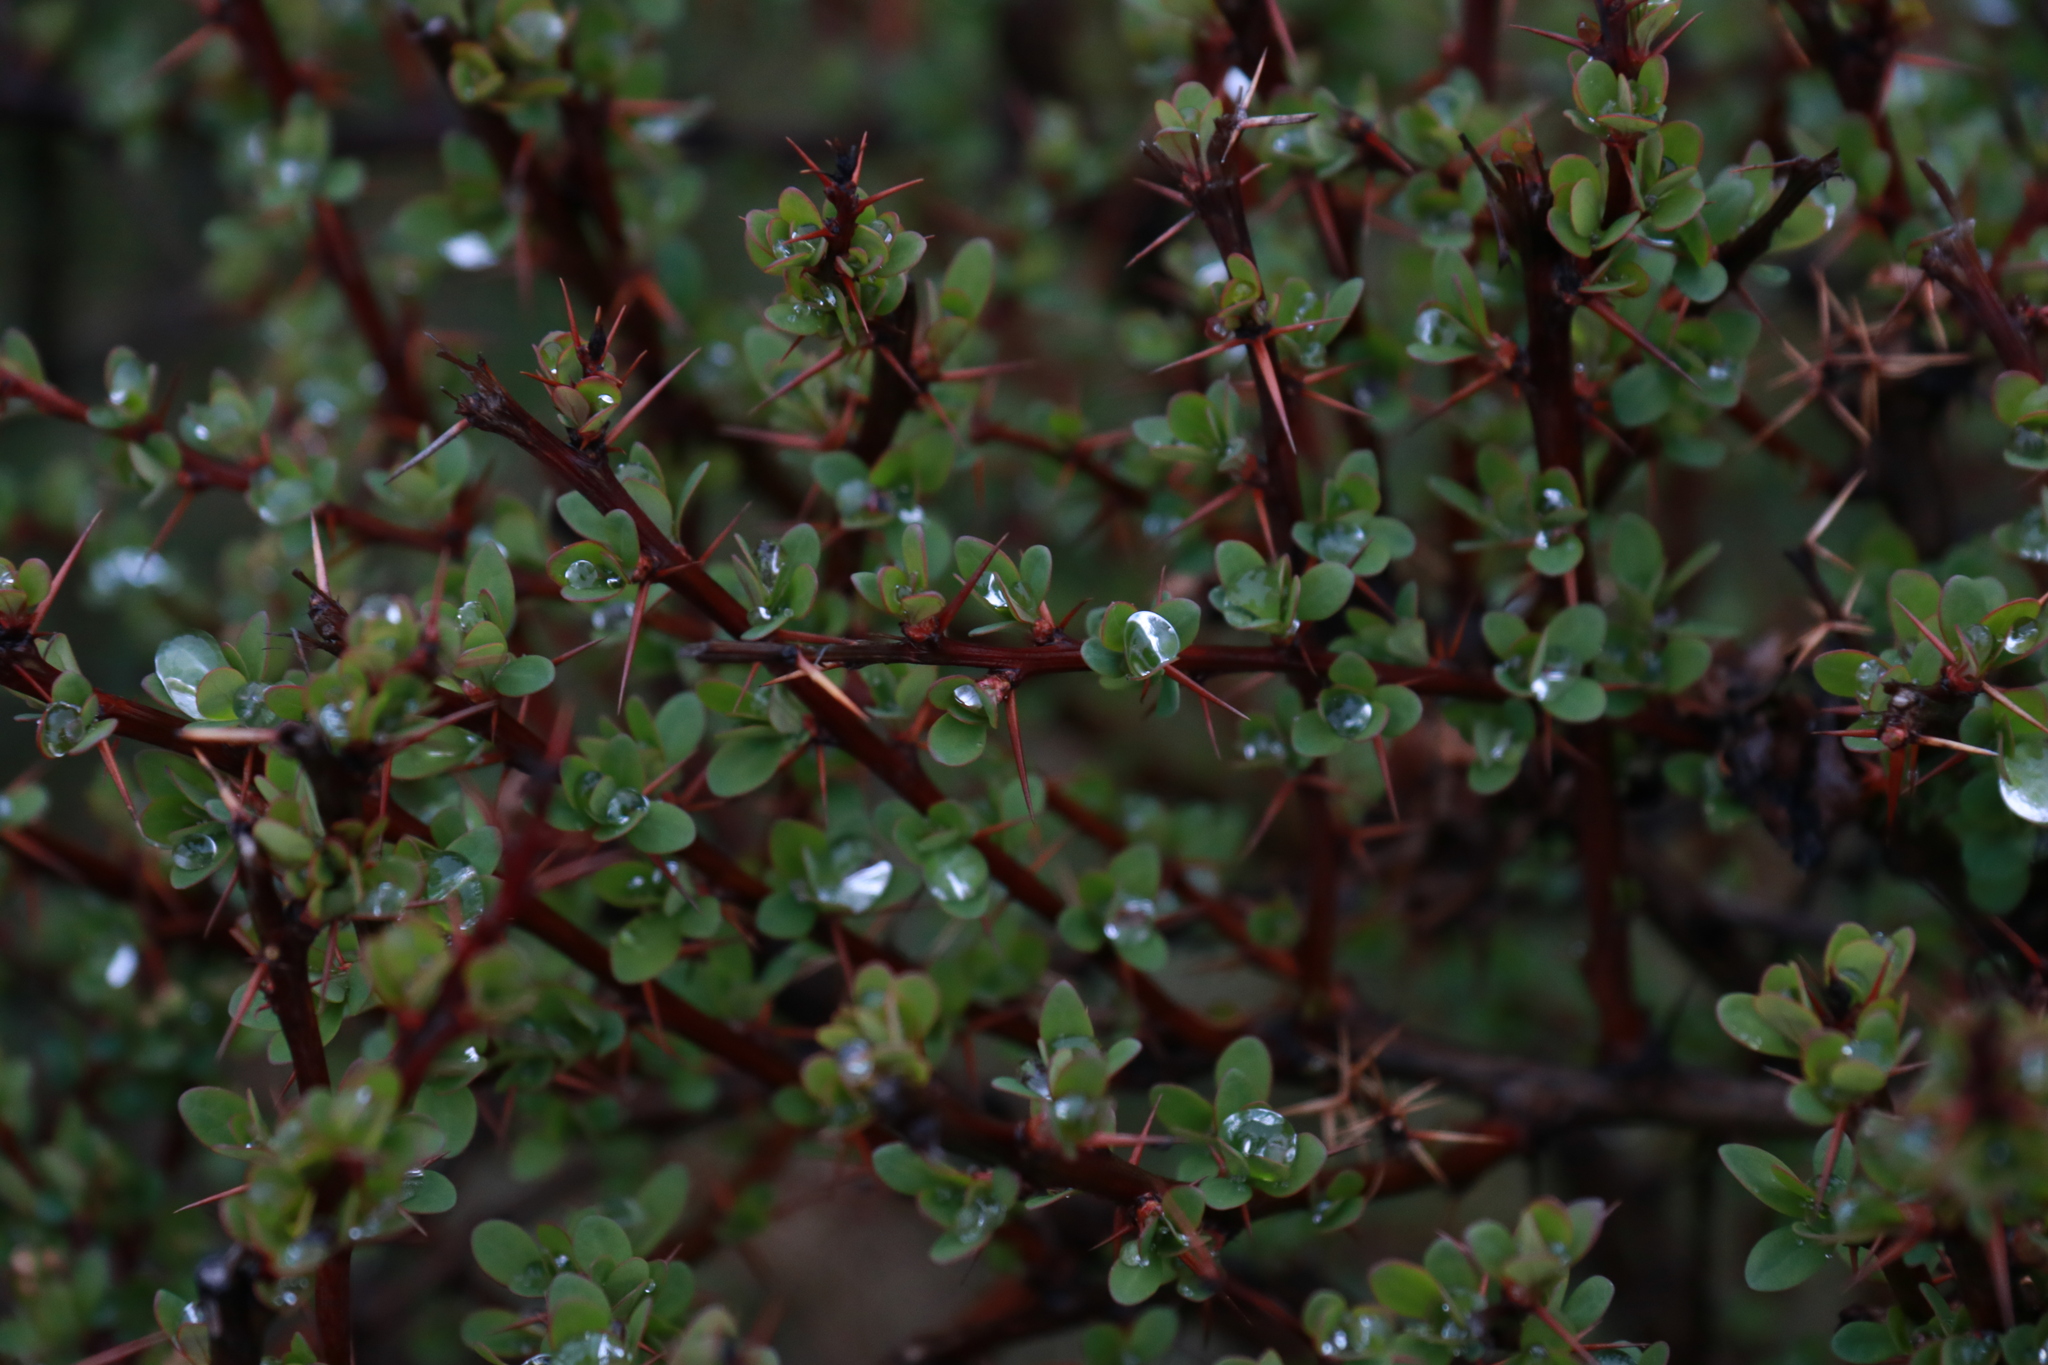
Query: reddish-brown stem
(1550,278)
(1062,655)
(891,396)
(1478,49)
(1802,178)
(1317,952)
(1952,260)
(334,243)
(1858,58)
(284,938)
(1607,966)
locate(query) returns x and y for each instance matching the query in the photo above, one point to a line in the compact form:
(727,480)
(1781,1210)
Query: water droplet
(1072,1109)
(385,900)
(2023,781)
(121,967)
(1435,327)
(449,874)
(333,718)
(1340,542)
(1261,745)
(977,1218)
(194,852)
(585,575)
(470,615)
(2026,537)
(858,890)
(1349,713)
(956,875)
(1150,643)
(1494,742)
(1261,1136)
(469,251)
(2028,448)
(1554,500)
(2022,636)
(1870,673)
(1132,920)
(856,1061)
(61,728)
(625,806)
(1133,1255)
(1549,682)
(251,705)
(770,555)
(993,594)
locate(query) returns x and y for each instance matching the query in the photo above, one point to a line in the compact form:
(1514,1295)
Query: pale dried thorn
(431,447)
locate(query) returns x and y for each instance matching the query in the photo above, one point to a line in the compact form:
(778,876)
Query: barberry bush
(939,680)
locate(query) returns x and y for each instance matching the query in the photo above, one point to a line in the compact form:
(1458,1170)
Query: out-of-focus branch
(334,241)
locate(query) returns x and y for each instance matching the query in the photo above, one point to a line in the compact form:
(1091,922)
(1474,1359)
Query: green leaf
(746,758)
(509,1255)
(1588,1303)
(599,1239)
(1642,395)
(1781,1260)
(1579,630)
(1312,736)
(1865,1343)
(969,278)
(452,1109)
(1741,1020)
(955,742)
(680,726)
(1636,555)
(665,828)
(901,1169)
(576,1308)
(1133,1284)
(182,664)
(1253,1065)
(662,1198)
(644,947)
(1839,671)
(1407,1288)
(284,843)
(1502,631)
(1325,588)
(429,1192)
(1578,701)
(524,675)
(1917,592)
(219,1118)
(1769,1179)
(1063,1020)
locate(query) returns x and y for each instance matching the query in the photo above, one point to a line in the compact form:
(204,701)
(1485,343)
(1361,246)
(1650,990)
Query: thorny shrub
(688,734)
